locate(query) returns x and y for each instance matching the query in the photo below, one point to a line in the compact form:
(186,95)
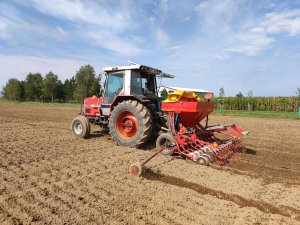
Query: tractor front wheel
(81,127)
(130,123)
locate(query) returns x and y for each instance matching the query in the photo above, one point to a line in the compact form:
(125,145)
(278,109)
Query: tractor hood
(92,102)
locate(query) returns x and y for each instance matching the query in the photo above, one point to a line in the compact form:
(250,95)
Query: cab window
(142,84)
(114,86)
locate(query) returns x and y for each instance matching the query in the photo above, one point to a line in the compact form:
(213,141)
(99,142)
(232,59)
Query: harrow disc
(208,158)
(228,150)
(203,160)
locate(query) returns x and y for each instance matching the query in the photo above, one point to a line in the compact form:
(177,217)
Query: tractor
(128,106)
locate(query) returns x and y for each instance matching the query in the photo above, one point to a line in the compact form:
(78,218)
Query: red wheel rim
(126,125)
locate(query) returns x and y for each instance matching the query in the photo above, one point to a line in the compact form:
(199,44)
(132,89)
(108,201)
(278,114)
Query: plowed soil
(47,176)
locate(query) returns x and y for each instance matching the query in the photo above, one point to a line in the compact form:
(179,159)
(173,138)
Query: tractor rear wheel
(81,127)
(130,124)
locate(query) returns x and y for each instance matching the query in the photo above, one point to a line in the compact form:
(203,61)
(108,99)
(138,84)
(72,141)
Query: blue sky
(241,45)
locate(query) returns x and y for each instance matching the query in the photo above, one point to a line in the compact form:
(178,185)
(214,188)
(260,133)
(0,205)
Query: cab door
(113,87)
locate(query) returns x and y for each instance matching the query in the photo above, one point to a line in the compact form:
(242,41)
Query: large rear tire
(81,127)
(130,124)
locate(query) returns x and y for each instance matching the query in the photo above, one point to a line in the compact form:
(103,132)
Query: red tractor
(128,106)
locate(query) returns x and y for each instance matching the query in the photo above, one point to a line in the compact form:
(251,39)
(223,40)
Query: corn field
(287,104)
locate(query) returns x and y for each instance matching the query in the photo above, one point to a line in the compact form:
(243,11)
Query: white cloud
(2,26)
(221,57)
(161,36)
(18,27)
(244,30)
(102,25)
(250,43)
(162,10)
(218,15)
(288,21)
(62,32)
(185,19)
(108,40)
(246,49)
(257,29)
(261,35)
(3,33)
(255,39)
(65,68)
(84,11)
(176,47)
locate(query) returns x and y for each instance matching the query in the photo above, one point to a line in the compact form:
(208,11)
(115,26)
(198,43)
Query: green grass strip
(56,104)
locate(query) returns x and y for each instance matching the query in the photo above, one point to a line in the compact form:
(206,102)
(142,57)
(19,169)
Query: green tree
(12,90)
(164,93)
(222,92)
(69,89)
(59,92)
(22,83)
(33,86)
(239,95)
(96,86)
(49,86)
(87,84)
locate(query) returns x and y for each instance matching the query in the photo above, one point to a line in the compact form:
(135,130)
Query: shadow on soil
(243,202)
(95,135)
(99,133)
(250,151)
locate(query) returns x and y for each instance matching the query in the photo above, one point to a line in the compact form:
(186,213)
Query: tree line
(35,87)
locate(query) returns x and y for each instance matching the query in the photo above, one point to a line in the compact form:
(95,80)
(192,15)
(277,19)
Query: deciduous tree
(239,95)
(12,90)
(69,88)
(164,93)
(33,86)
(87,84)
(49,86)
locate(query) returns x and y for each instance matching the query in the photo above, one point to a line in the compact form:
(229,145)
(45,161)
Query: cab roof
(147,69)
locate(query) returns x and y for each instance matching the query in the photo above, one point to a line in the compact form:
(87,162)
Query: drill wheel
(208,158)
(203,160)
(136,169)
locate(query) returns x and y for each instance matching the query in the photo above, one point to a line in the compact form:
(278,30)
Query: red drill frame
(194,141)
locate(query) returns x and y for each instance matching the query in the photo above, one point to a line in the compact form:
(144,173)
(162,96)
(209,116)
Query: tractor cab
(133,81)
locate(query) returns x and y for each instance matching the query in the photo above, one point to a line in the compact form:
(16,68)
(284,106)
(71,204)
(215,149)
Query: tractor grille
(87,110)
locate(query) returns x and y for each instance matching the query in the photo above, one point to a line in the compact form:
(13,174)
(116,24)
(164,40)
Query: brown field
(50,177)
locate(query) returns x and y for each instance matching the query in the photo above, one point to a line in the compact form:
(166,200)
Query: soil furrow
(48,176)
(262,206)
